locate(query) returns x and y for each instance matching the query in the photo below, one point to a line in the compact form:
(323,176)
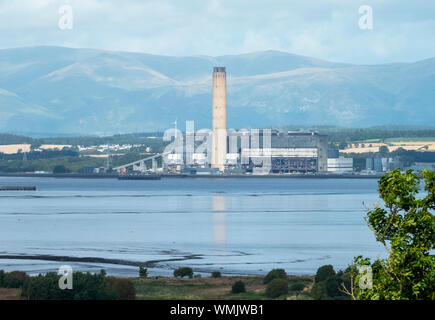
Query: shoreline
(184,176)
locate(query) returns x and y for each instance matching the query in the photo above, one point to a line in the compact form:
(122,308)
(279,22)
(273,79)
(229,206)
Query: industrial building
(289,152)
(340,165)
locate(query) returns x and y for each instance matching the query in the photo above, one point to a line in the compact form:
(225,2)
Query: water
(236,226)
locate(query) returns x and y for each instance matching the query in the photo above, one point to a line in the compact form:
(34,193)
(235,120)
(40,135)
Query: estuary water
(243,226)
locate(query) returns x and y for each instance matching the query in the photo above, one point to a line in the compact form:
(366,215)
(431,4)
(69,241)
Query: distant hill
(82,91)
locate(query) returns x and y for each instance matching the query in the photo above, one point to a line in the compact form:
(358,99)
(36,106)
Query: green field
(208,288)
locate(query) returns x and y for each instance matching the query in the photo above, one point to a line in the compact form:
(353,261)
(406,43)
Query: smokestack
(219,118)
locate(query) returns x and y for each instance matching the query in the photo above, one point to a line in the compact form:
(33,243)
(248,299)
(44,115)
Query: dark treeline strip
(336,134)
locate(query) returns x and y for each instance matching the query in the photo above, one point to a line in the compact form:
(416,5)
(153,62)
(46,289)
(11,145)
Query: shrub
(103,272)
(86,286)
(276,288)
(324,272)
(60,169)
(297,287)
(275,274)
(2,278)
(143,272)
(120,288)
(318,291)
(183,272)
(14,279)
(216,274)
(238,287)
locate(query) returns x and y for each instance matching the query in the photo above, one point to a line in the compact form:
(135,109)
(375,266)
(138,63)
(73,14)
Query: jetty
(17,188)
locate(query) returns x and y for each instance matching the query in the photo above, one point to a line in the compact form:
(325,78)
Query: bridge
(140,165)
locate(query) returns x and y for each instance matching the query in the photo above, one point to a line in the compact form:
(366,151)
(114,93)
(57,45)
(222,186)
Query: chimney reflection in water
(219,220)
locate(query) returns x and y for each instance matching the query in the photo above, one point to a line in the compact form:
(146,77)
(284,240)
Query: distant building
(379,164)
(290,152)
(369,164)
(340,165)
(333,153)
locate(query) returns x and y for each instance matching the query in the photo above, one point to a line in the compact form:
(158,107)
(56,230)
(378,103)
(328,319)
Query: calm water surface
(237,226)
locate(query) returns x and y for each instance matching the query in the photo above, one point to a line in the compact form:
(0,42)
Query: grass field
(208,288)
(10,294)
(205,288)
(418,144)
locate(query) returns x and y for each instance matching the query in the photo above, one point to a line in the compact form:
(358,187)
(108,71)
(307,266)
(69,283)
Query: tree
(238,287)
(277,287)
(60,169)
(143,272)
(275,274)
(342,145)
(216,274)
(183,272)
(383,150)
(406,228)
(297,287)
(324,272)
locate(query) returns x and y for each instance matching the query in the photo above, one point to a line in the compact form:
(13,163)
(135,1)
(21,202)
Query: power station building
(239,151)
(287,152)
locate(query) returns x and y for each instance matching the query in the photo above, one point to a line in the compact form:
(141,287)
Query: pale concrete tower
(219,118)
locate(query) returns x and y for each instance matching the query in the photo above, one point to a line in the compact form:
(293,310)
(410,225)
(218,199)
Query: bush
(60,169)
(216,274)
(122,289)
(103,272)
(276,288)
(318,291)
(297,287)
(143,272)
(86,286)
(14,279)
(275,274)
(2,278)
(324,272)
(238,287)
(183,272)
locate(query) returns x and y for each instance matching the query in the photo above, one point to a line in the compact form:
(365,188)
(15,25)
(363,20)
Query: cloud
(328,29)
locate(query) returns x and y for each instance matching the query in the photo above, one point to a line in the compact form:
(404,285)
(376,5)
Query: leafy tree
(60,169)
(216,274)
(122,289)
(383,150)
(275,274)
(183,272)
(297,287)
(324,272)
(277,287)
(342,145)
(318,291)
(143,272)
(14,279)
(238,287)
(2,278)
(406,228)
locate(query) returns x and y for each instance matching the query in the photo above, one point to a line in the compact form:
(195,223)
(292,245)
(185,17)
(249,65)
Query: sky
(402,31)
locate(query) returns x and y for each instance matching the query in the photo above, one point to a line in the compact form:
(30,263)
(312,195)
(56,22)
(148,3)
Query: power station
(241,151)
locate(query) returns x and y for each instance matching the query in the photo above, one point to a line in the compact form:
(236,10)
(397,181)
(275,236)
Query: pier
(17,188)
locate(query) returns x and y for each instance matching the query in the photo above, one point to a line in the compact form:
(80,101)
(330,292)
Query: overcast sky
(327,29)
